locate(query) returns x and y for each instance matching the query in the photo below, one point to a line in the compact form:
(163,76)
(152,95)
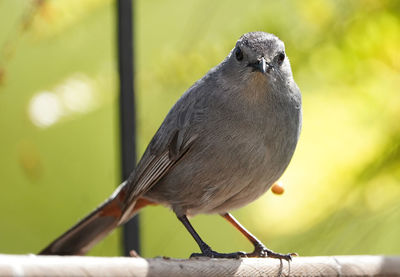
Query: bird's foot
(261,251)
(208,252)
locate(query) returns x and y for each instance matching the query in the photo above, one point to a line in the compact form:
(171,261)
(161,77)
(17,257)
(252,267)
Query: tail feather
(85,234)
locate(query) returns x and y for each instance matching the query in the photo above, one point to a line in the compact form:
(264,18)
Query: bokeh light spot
(45,109)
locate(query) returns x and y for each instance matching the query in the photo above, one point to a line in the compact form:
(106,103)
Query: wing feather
(146,177)
(153,173)
(170,143)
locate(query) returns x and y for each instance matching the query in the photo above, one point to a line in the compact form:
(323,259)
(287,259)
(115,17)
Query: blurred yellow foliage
(341,189)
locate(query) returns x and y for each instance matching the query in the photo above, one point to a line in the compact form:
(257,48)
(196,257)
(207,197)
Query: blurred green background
(59,153)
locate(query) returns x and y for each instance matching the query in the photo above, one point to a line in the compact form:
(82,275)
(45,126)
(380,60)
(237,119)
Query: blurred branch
(8,48)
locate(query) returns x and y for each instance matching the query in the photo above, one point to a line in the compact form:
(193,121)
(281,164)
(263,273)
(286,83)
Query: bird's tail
(86,233)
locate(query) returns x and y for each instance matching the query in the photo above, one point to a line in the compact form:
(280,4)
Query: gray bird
(221,146)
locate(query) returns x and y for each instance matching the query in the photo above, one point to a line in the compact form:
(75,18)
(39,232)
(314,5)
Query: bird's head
(260,55)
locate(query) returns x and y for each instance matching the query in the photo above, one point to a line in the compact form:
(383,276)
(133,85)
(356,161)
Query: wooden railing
(32,265)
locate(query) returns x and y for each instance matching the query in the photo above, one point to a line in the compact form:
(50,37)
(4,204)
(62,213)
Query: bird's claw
(261,251)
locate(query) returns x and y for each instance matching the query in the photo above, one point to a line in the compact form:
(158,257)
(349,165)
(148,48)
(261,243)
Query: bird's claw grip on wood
(261,251)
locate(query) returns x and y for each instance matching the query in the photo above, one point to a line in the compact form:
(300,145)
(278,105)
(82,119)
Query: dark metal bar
(127,111)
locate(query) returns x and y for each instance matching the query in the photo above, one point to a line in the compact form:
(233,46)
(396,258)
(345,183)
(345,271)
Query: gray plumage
(222,145)
(243,127)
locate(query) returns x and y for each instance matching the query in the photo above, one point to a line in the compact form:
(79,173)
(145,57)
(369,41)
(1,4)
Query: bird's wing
(155,166)
(171,142)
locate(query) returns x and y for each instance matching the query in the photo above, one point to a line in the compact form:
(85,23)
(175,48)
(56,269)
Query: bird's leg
(206,250)
(259,249)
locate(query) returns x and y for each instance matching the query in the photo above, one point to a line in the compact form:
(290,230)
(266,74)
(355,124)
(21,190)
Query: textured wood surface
(32,265)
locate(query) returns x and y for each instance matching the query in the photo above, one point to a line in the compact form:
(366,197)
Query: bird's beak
(262,65)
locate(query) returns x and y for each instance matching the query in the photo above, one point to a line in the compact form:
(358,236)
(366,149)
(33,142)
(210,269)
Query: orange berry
(277,188)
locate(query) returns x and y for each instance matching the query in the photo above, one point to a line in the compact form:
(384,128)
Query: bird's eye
(239,54)
(280,58)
